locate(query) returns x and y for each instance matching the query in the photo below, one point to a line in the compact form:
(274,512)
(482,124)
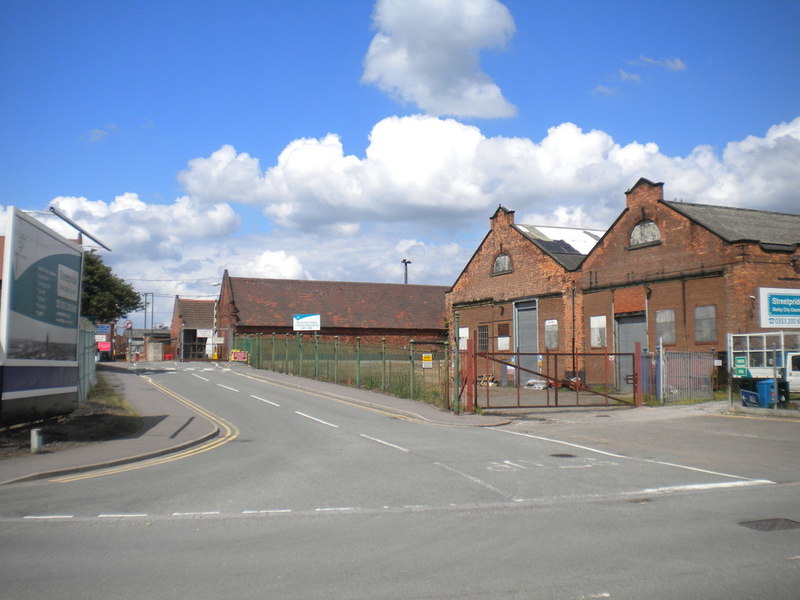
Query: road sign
(128,324)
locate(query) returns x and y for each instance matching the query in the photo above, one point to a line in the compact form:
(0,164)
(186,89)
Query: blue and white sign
(780,308)
(102,328)
(306,323)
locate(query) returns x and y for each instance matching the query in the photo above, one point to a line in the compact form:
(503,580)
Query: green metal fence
(87,365)
(417,371)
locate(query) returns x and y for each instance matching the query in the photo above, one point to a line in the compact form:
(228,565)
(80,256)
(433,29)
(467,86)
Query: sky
(330,140)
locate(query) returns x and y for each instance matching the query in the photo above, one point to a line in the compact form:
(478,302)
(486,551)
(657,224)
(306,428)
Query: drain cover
(771,524)
(563,455)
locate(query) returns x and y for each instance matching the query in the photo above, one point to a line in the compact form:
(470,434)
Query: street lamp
(405,262)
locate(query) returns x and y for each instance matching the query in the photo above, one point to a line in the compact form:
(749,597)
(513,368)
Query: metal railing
(678,377)
(418,371)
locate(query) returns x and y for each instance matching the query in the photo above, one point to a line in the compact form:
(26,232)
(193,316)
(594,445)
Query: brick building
(192,334)
(371,311)
(684,273)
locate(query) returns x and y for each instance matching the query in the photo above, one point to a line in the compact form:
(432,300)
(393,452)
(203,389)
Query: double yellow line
(228,430)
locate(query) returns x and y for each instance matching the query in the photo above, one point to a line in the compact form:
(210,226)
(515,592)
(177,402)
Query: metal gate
(557,379)
(678,377)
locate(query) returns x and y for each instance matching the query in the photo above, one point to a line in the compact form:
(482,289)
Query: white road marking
(265,400)
(199,377)
(122,516)
(645,460)
(335,509)
(297,412)
(269,511)
(385,443)
(508,462)
(478,481)
(196,514)
(703,486)
(44,517)
(571,445)
(228,388)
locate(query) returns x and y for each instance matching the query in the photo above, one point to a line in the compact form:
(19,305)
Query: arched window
(645,232)
(502,264)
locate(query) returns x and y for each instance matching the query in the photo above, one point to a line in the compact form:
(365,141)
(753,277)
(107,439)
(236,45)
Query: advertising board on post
(39,314)
(779,308)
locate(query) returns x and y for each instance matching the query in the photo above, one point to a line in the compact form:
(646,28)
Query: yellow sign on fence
(238,356)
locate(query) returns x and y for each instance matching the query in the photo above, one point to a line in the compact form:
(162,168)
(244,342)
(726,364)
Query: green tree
(105,297)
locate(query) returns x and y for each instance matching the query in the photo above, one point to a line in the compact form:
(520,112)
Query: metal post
(383,364)
(456,375)
(358,361)
(660,371)
(298,369)
(411,365)
(336,359)
(36,440)
(316,356)
(446,358)
(775,374)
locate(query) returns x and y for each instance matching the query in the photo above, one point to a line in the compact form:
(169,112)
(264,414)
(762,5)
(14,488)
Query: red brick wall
(687,267)
(484,298)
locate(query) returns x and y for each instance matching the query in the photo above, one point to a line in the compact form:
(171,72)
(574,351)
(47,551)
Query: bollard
(36,440)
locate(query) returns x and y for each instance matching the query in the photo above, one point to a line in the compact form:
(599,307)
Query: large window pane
(597,326)
(705,323)
(483,338)
(665,325)
(551,334)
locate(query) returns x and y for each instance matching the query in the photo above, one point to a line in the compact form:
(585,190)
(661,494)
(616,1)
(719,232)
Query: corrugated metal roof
(273,302)
(742,224)
(566,245)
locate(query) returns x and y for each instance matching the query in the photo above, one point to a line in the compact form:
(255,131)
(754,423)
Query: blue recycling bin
(765,390)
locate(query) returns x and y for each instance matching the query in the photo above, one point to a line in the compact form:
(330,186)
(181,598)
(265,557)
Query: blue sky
(329,140)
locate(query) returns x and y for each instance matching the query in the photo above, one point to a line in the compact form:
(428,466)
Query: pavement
(170,426)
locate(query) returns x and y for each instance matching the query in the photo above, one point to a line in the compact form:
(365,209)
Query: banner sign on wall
(306,322)
(779,308)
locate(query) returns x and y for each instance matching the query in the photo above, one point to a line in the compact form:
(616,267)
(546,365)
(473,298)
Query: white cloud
(625,76)
(426,52)
(152,230)
(423,191)
(440,172)
(671,64)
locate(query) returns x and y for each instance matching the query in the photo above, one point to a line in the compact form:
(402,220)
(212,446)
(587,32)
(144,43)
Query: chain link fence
(419,371)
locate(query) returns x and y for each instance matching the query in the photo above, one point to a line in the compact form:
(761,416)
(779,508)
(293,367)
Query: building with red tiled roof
(192,329)
(371,311)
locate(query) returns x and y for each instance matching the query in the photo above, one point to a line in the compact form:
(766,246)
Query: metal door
(630,329)
(527,338)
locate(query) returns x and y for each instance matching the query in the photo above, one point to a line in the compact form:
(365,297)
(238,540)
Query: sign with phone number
(779,308)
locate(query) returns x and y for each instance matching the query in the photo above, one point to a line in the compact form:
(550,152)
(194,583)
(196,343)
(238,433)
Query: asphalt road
(311,497)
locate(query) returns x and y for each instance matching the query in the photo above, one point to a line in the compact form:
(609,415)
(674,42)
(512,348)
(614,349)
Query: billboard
(39,314)
(779,308)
